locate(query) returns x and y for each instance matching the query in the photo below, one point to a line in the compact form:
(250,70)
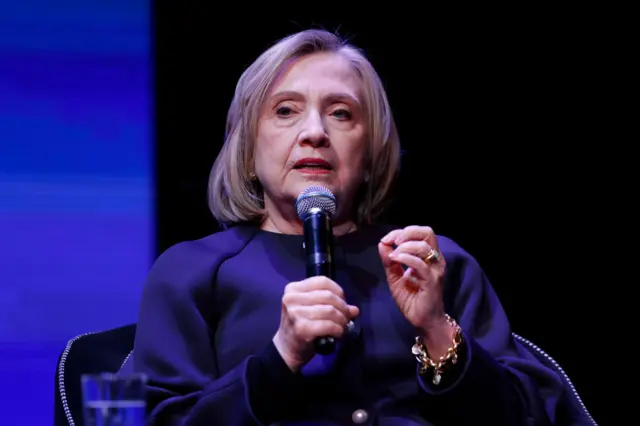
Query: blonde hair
(235,196)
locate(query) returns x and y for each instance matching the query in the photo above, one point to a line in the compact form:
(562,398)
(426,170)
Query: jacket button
(359,416)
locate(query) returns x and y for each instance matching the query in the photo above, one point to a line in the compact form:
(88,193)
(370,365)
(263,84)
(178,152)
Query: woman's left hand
(418,286)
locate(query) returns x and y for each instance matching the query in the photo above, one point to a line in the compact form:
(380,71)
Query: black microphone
(315,206)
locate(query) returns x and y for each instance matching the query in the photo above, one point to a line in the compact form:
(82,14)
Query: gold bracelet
(425,361)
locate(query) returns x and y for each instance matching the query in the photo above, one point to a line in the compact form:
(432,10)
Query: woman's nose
(313,131)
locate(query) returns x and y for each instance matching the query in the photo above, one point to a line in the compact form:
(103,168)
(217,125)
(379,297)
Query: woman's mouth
(313,166)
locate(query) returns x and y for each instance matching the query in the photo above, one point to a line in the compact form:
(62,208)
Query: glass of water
(114,400)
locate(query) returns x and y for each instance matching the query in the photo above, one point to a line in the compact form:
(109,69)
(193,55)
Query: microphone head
(315,197)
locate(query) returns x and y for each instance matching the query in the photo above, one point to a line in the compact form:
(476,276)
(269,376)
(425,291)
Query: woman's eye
(284,111)
(342,114)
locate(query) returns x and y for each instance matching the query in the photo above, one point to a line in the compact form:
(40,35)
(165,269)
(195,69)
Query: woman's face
(311,130)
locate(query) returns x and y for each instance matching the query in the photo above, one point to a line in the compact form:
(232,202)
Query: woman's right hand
(312,308)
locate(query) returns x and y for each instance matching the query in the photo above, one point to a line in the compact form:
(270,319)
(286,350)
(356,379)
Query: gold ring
(432,257)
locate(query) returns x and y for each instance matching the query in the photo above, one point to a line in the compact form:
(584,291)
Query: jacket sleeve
(173,348)
(496,381)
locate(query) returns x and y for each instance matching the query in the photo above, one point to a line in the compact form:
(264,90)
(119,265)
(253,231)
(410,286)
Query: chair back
(89,353)
(576,413)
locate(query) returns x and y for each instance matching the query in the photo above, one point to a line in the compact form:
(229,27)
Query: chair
(107,351)
(89,353)
(576,413)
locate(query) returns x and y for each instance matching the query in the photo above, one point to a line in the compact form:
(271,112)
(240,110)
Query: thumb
(392,268)
(384,250)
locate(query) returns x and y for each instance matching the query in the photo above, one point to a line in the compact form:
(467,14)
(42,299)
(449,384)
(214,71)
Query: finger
(315,283)
(425,233)
(354,311)
(413,262)
(316,297)
(390,238)
(319,313)
(310,330)
(418,248)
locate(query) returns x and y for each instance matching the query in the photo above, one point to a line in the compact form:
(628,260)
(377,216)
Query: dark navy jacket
(210,309)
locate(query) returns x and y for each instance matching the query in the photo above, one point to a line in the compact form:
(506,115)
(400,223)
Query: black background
(494,113)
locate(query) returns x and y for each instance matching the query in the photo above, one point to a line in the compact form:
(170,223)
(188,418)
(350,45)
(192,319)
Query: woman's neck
(285,220)
(277,224)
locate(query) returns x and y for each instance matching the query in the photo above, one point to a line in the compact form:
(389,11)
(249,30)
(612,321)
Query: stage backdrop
(76,215)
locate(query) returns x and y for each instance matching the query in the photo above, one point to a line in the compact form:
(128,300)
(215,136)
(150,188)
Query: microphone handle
(318,232)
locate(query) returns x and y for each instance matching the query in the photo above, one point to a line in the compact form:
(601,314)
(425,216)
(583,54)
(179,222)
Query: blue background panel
(76,184)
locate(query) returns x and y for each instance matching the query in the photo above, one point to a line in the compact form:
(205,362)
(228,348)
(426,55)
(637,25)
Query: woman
(227,323)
